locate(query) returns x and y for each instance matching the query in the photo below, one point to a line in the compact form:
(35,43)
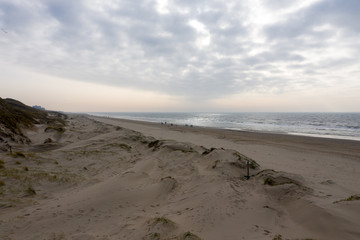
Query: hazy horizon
(182,56)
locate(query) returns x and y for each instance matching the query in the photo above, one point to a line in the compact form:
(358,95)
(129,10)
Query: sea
(327,125)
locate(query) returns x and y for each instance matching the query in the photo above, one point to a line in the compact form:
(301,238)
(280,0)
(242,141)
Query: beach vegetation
(163,220)
(2,164)
(136,138)
(277,237)
(207,151)
(190,236)
(17,154)
(183,149)
(59,236)
(155,236)
(215,164)
(31,191)
(15,116)
(168,177)
(153,143)
(2,183)
(269,181)
(349,199)
(252,163)
(120,145)
(27,175)
(281,180)
(30,155)
(191,150)
(272,181)
(18,163)
(57,128)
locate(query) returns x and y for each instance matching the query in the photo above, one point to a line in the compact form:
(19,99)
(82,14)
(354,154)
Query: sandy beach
(107,178)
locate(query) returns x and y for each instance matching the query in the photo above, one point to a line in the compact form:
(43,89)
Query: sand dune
(115,179)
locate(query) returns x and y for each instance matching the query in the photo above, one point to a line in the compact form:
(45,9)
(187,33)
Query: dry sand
(117,179)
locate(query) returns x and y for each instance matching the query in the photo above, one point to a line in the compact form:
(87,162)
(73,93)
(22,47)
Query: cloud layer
(195,49)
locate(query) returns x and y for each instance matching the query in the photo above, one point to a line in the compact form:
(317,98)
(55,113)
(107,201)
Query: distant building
(39,107)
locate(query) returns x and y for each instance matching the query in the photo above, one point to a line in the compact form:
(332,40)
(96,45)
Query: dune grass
(190,236)
(163,220)
(349,199)
(17,154)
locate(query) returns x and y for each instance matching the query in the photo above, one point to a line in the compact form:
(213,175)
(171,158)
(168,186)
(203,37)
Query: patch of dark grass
(14,115)
(17,154)
(58,236)
(191,150)
(31,191)
(25,176)
(274,182)
(269,181)
(155,236)
(30,155)
(168,177)
(278,181)
(215,164)
(349,199)
(190,236)
(136,138)
(277,237)
(2,164)
(252,163)
(56,128)
(207,151)
(2,183)
(155,144)
(163,220)
(120,145)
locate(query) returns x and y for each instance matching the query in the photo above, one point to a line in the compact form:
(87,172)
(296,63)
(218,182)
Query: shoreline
(339,137)
(332,145)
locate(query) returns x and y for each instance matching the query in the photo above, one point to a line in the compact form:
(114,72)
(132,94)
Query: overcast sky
(181,55)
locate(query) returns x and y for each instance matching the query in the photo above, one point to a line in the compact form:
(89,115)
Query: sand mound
(161,228)
(283,186)
(169,183)
(229,162)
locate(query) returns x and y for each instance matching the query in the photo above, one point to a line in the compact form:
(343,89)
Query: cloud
(342,15)
(199,50)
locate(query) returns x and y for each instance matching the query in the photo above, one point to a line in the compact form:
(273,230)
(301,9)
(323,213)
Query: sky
(182,55)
